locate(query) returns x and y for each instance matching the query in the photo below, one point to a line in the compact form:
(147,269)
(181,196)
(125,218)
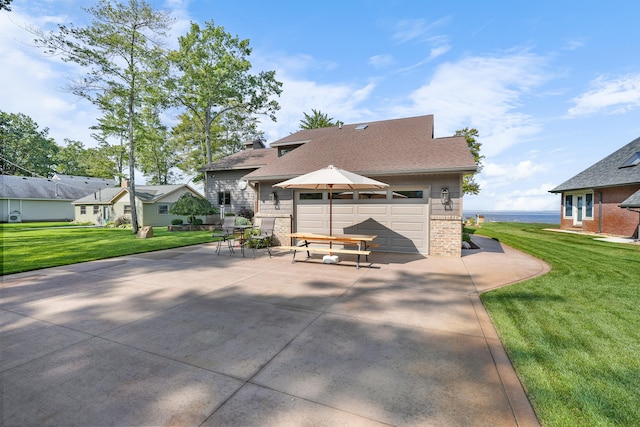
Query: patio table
(360,240)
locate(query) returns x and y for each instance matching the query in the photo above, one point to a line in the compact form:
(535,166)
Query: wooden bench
(317,249)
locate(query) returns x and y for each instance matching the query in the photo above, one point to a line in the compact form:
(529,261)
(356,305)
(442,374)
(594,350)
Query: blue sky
(552,86)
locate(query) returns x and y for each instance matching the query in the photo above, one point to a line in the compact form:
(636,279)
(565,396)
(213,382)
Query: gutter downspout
(600,213)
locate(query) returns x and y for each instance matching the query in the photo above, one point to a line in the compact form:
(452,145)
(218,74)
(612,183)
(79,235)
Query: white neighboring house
(24,198)
(153,204)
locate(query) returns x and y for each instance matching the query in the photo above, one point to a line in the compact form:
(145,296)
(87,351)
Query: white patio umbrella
(331,178)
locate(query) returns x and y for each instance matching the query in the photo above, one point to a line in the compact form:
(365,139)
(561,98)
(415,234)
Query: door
(577,218)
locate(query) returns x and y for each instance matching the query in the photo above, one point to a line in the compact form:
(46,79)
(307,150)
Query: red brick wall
(616,221)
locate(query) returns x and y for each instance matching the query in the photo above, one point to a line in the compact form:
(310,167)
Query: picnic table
(361,241)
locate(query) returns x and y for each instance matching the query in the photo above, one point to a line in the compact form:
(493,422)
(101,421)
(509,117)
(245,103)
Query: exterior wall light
(444,196)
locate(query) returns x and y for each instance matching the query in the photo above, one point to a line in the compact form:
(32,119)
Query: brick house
(605,197)
(420,211)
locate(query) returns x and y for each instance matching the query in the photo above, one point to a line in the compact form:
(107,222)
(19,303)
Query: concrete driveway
(185,337)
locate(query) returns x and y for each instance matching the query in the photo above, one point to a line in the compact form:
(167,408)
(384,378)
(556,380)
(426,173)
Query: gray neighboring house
(421,211)
(25,198)
(605,197)
(153,204)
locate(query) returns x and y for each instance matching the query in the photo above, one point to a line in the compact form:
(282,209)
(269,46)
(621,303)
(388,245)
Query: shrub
(245,213)
(242,221)
(198,221)
(122,220)
(177,221)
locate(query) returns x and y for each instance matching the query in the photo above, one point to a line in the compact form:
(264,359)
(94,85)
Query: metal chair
(226,233)
(267,226)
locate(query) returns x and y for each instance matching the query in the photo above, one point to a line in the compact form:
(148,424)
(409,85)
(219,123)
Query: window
(163,209)
(310,196)
(372,194)
(568,205)
(342,195)
(224,198)
(588,205)
(127,209)
(96,209)
(412,194)
(83,210)
(633,160)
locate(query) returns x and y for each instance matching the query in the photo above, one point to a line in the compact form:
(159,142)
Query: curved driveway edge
(187,337)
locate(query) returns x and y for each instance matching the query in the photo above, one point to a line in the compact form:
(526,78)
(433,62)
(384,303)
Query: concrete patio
(186,337)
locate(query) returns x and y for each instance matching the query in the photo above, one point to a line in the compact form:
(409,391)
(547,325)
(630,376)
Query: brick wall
(446,235)
(282,226)
(615,220)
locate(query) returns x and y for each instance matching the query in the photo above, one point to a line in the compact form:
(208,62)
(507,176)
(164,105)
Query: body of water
(546,217)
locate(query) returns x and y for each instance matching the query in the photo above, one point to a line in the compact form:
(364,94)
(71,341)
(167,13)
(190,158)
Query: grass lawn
(573,335)
(31,246)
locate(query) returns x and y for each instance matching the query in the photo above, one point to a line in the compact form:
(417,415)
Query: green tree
(99,162)
(6,5)
(213,79)
(156,152)
(121,53)
(190,206)
(71,159)
(316,120)
(469,185)
(25,149)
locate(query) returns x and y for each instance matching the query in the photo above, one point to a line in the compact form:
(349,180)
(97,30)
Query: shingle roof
(24,187)
(399,146)
(146,194)
(632,202)
(246,159)
(607,172)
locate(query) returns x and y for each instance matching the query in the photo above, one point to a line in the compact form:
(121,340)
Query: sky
(551,86)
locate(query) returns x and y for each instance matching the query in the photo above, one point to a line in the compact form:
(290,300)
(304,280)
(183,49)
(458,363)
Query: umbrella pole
(330,217)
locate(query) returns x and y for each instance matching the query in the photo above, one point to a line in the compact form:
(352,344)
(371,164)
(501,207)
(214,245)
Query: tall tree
(71,159)
(316,120)
(6,5)
(120,51)
(25,149)
(214,78)
(155,151)
(469,185)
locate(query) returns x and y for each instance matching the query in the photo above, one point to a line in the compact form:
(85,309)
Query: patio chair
(226,233)
(266,235)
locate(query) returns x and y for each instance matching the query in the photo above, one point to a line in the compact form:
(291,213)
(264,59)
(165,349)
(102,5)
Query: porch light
(444,196)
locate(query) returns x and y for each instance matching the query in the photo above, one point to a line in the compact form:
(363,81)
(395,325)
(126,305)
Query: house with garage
(420,211)
(153,204)
(605,197)
(24,198)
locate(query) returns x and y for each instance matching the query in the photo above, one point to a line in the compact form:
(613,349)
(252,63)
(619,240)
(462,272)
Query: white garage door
(399,217)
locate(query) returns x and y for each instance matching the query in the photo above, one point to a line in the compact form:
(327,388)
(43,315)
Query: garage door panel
(310,225)
(407,226)
(408,210)
(370,210)
(343,210)
(400,244)
(312,210)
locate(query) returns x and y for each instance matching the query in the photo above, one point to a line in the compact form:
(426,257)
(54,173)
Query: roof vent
(362,126)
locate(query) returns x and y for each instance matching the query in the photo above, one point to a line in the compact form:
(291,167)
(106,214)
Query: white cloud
(381,61)
(532,199)
(484,93)
(416,29)
(611,96)
(339,101)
